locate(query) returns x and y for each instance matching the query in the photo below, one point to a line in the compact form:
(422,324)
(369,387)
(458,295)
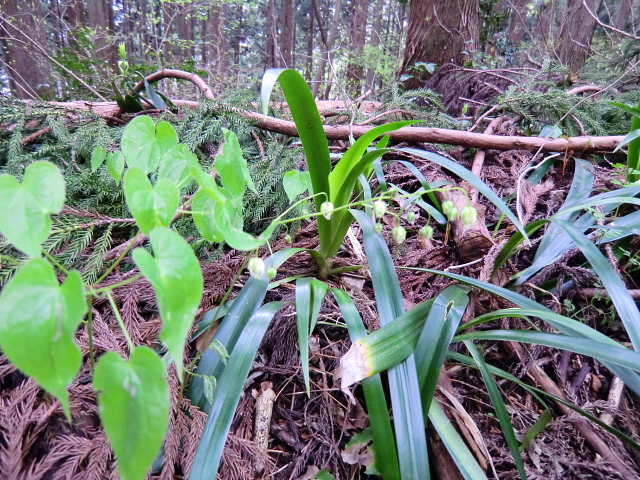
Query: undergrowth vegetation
(152,208)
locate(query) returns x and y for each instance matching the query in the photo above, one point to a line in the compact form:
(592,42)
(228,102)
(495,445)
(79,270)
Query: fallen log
(578,145)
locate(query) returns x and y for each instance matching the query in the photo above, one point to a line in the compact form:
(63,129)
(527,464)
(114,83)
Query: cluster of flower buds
(257,268)
(450,210)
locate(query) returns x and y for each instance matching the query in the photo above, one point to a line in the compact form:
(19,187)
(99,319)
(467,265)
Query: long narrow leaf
(470,178)
(537,392)
(386,456)
(501,409)
(403,379)
(569,327)
(310,129)
(625,304)
(432,346)
(605,353)
(227,394)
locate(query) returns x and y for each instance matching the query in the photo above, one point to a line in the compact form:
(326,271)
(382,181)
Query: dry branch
(582,144)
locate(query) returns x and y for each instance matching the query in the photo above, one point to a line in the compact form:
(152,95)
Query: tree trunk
(543,26)
(21,26)
(101,20)
(441,31)
(75,19)
(168,17)
(517,20)
(375,42)
(576,32)
(309,67)
(355,68)
(326,57)
(623,15)
(144,34)
(286,34)
(238,39)
(218,42)
(271,54)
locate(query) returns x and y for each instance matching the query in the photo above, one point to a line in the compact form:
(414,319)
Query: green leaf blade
(134,407)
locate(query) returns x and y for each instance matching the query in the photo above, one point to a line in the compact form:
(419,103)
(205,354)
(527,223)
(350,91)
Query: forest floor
(308,434)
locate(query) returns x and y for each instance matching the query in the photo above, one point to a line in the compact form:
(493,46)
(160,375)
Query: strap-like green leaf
(403,378)
(227,394)
(385,454)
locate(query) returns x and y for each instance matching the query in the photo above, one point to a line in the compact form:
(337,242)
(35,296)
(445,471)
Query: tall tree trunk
(309,67)
(238,39)
(326,57)
(576,32)
(543,27)
(355,68)
(168,17)
(271,53)
(21,26)
(218,43)
(441,31)
(517,20)
(144,34)
(376,31)
(101,20)
(286,33)
(75,18)
(623,15)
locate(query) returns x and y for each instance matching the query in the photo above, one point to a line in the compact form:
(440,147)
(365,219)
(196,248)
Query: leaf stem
(116,312)
(55,262)
(118,260)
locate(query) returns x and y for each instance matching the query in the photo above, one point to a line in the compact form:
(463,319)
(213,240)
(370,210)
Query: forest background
(47,46)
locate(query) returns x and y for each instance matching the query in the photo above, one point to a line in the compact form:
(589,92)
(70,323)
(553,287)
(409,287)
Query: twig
(384,114)
(614,398)
(478,161)
(584,88)
(608,27)
(33,136)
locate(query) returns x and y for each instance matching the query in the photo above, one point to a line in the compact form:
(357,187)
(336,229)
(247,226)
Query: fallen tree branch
(407,134)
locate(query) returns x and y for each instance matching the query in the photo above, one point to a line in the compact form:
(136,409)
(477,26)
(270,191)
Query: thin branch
(608,27)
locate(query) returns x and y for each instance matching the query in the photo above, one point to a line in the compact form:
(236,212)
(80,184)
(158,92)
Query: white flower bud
(426,232)
(379,208)
(469,215)
(452,213)
(399,234)
(256,267)
(326,209)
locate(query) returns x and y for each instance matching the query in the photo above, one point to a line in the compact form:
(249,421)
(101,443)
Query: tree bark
(326,57)
(355,68)
(623,15)
(576,32)
(218,42)
(286,34)
(101,20)
(168,17)
(271,53)
(309,62)
(21,25)
(374,42)
(441,31)
(517,19)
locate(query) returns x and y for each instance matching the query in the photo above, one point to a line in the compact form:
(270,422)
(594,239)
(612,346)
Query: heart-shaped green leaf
(151,206)
(97,158)
(296,183)
(232,168)
(134,407)
(144,145)
(203,207)
(115,165)
(38,321)
(177,279)
(175,164)
(24,215)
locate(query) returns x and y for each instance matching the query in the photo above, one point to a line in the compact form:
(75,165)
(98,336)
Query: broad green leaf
(404,387)
(24,214)
(296,183)
(628,138)
(97,158)
(134,407)
(115,165)
(232,168)
(151,206)
(177,280)
(471,179)
(384,446)
(175,164)
(143,145)
(204,205)
(625,304)
(550,131)
(227,394)
(38,322)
